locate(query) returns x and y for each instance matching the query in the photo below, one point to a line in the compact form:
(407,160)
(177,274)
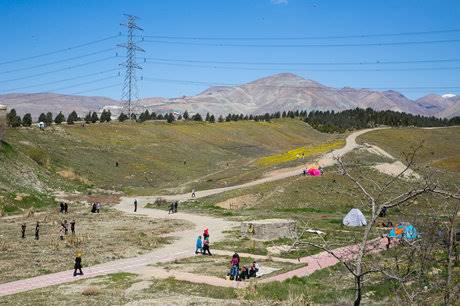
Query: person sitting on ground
(206,246)
(66,208)
(61,207)
(193,193)
(199,245)
(98,207)
(171,208)
(383,212)
(253,269)
(244,274)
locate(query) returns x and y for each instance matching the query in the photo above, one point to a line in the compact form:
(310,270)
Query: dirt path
(183,244)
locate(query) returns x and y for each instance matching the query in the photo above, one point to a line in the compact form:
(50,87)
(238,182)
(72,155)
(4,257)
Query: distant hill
(37,103)
(285,91)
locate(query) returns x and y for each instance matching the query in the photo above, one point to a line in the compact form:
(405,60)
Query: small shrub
(91,291)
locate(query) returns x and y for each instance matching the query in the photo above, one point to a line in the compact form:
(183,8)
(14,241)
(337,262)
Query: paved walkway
(183,246)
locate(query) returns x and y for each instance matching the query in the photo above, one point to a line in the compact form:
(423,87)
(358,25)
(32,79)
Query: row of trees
(324,121)
(14,120)
(330,121)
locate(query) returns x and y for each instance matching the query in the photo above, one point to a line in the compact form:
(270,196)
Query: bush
(91,291)
(122,117)
(27,120)
(59,118)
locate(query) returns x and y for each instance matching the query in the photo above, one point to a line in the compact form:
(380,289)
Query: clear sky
(32,28)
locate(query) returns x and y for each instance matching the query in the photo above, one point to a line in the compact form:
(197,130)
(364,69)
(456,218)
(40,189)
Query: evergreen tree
(42,118)
(160,117)
(179,117)
(207,117)
(88,118)
(221,119)
(228,118)
(186,115)
(108,116)
(170,118)
(284,114)
(122,117)
(212,119)
(48,118)
(94,117)
(133,116)
(13,119)
(73,116)
(27,120)
(153,116)
(197,117)
(59,118)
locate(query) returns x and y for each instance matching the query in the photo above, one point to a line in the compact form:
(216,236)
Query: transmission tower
(130,91)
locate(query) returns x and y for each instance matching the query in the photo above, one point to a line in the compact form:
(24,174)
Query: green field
(439,148)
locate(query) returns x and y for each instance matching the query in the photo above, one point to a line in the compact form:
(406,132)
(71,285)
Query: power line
(60,81)
(58,61)
(129,92)
(378,62)
(378,44)
(58,51)
(303,37)
(58,70)
(307,70)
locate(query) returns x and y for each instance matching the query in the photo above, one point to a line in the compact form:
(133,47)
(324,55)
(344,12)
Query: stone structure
(2,121)
(268,229)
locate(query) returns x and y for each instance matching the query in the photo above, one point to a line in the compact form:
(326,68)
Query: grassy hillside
(439,147)
(156,155)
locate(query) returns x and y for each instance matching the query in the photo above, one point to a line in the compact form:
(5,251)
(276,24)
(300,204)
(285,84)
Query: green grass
(151,155)
(439,147)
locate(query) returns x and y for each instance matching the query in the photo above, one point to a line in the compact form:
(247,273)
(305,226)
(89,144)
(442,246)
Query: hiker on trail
(93,208)
(37,231)
(66,208)
(206,246)
(61,233)
(77,264)
(64,226)
(199,245)
(72,226)
(61,207)
(193,193)
(206,234)
(171,208)
(116,164)
(135,205)
(98,207)
(176,203)
(254,269)
(23,230)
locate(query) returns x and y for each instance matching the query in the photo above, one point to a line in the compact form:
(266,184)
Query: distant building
(2,121)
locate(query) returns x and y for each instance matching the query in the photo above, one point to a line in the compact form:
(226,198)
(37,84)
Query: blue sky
(36,27)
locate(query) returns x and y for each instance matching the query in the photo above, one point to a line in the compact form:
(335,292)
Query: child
(199,245)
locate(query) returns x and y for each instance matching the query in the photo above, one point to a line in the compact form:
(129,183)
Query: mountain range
(278,92)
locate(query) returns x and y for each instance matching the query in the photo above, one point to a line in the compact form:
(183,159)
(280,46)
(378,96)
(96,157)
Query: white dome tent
(354,218)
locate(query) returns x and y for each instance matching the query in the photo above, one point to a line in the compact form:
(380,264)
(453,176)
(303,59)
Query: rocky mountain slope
(278,92)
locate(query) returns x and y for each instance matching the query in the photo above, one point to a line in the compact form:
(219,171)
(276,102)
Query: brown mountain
(37,103)
(278,92)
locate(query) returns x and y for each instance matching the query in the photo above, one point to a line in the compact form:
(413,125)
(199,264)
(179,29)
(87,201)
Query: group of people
(238,273)
(37,230)
(64,229)
(173,207)
(63,208)
(202,245)
(96,207)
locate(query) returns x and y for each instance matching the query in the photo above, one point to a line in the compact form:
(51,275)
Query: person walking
(78,264)
(23,230)
(66,208)
(61,207)
(61,233)
(72,226)
(37,231)
(135,205)
(193,193)
(65,226)
(206,234)
(206,247)
(176,203)
(199,245)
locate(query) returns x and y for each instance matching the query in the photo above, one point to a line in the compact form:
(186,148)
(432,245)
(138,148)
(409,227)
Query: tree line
(324,121)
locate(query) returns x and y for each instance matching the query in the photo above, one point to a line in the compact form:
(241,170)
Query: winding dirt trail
(183,242)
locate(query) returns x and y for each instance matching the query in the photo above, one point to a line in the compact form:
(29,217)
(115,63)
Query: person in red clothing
(206,234)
